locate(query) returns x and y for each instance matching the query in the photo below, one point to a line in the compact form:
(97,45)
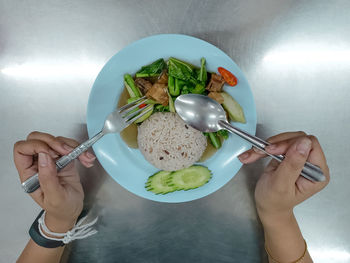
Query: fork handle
(32,183)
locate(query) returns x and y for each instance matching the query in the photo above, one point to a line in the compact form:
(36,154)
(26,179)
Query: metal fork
(114,123)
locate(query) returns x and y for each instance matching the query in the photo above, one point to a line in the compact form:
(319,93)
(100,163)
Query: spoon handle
(310,171)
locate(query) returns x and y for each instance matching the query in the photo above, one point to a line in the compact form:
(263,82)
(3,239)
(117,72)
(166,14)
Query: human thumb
(48,177)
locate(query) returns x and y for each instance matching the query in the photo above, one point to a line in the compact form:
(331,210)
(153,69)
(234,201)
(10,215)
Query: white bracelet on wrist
(79,231)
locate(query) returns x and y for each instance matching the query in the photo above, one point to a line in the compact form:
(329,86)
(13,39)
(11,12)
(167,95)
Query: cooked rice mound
(168,143)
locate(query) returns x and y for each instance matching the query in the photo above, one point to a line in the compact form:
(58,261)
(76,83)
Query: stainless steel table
(296,56)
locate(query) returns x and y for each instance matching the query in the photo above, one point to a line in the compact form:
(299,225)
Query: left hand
(60,194)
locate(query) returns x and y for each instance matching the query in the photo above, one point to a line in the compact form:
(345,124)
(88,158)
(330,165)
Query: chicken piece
(216,83)
(163,78)
(216,96)
(159,93)
(143,84)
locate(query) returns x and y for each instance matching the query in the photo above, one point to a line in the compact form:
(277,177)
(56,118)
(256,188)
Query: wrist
(59,225)
(275,219)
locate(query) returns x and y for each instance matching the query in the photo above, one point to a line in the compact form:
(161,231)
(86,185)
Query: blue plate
(127,166)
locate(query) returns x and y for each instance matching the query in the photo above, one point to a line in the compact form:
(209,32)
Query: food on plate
(216,83)
(228,76)
(216,96)
(161,135)
(234,110)
(168,143)
(164,182)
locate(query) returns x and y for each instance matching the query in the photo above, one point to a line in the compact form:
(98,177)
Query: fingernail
(42,159)
(243,156)
(67,147)
(271,147)
(304,146)
(89,165)
(90,155)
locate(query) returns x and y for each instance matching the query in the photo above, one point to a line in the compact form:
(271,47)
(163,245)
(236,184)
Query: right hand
(281,187)
(60,194)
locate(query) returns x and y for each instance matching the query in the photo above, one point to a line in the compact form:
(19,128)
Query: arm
(281,188)
(60,195)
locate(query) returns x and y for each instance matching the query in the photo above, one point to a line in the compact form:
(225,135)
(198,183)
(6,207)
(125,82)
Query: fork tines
(126,111)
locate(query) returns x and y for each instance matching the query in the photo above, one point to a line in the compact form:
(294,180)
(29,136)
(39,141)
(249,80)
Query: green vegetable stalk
(171,104)
(203,71)
(173,90)
(215,140)
(179,84)
(131,87)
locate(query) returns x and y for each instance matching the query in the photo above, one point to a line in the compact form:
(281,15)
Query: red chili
(228,76)
(142,105)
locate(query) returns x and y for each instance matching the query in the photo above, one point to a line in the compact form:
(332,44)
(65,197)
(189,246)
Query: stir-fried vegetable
(173,90)
(198,89)
(152,70)
(180,69)
(183,78)
(131,87)
(171,104)
(223,134)
(215,140)
(202,76)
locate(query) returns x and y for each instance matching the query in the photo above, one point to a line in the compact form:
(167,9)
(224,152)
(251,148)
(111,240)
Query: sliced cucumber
(145,117)
(189,178)
(158,183)
(233,108)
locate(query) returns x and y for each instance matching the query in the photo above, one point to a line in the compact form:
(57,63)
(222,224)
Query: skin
(278,191)
(60,195)
(280,188)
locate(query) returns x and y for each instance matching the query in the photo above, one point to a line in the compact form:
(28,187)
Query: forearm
(34,253)
(283,238)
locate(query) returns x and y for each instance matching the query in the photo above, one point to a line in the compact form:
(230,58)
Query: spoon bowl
(207,115)
(200,112)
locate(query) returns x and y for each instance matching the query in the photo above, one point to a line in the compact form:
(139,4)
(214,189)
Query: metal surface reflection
(46,70)
(296,57)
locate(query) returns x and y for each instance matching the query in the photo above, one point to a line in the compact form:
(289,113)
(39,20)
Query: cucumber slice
(233,108)
(158,183)
(145,117)
(190,178)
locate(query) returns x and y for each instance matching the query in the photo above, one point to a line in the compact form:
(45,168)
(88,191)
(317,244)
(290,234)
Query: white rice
(168,143)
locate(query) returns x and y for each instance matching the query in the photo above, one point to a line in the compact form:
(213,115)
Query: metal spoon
(207,115)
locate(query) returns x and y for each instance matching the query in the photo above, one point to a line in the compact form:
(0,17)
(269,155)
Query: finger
(318,158)
(57,145)
(87,158)
(23,152)
(254,154)
(272,166)
(316,155)
(290,168)
(61,145)
(49,181)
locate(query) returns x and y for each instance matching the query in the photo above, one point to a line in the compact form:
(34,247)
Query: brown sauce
(208,152)
(129,134)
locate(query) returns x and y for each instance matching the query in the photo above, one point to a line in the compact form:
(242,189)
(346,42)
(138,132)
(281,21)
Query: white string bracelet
(79,231)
